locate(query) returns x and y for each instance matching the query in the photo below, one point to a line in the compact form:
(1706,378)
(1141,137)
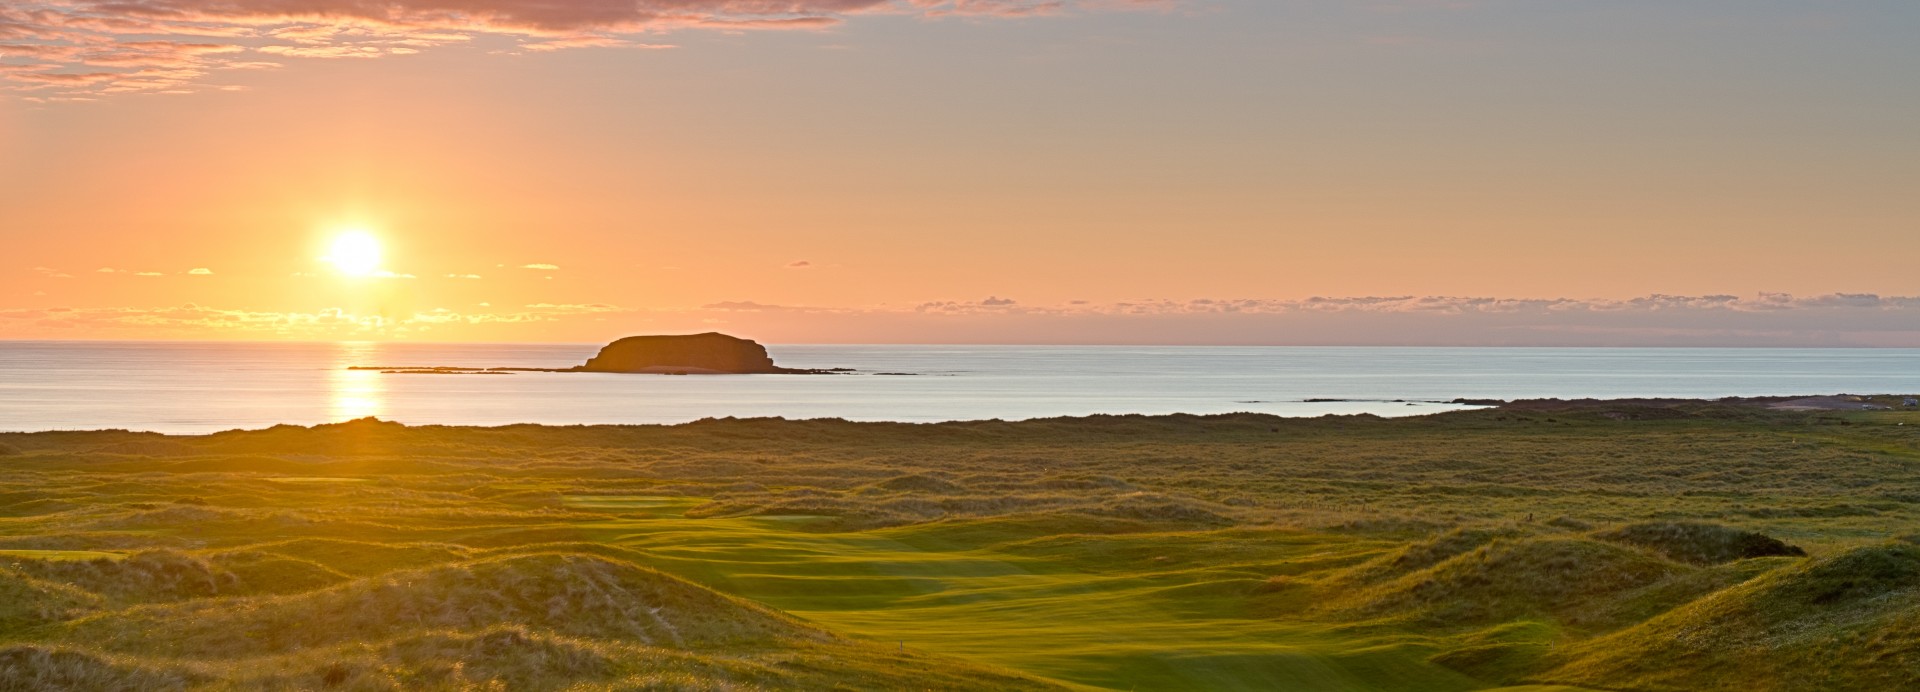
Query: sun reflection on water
(356,393)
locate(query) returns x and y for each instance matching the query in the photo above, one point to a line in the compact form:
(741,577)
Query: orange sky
(885,164)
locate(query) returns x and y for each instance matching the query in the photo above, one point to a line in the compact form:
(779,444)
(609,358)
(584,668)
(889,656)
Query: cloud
(801,264)
(463,276)
(558,44)
(200,271)
(204,321)
(993,304)
(548,267)
(148,274)
(750,306)
(1768,319)
(573,307)
(68,49)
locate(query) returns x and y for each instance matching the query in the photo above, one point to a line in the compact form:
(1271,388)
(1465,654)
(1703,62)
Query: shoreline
(1623,407)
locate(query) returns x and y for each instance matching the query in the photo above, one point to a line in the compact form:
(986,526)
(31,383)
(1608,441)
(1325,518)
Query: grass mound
(144,577)
(149,448)
(573,595)
(1012,528)
(611,552)
(362,558)
(29,667)
(919,483)
(166,518)
(1507,579)
(506,657)
(1856,577)
(1700,544)
(1845,622)
(517,658)
(7,450)
(27,602)
(1427,553)
(511,655)
(836,514)
(92,541)
(1156,507)
(1083,482)
(271,573)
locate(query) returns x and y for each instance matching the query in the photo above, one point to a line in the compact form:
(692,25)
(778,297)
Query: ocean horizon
(194,387)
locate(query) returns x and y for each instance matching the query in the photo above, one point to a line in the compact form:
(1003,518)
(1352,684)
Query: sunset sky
(1559,172)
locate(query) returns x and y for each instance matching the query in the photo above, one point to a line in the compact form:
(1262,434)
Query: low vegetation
(1592,545)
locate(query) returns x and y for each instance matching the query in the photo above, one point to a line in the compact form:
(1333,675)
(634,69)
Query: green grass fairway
(1534,548)
(1137,611)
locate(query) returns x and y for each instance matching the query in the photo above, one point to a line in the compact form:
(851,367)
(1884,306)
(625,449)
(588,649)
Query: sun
(355,253)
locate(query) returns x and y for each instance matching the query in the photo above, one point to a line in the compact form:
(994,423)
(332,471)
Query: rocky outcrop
(711,353)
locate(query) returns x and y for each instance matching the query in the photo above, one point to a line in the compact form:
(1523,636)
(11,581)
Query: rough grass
(1423,554)
(1700,544)
(33,667)
(27,603)
(1849,621)
(1505,580)
(569,594)
(146,576)
(1640,545)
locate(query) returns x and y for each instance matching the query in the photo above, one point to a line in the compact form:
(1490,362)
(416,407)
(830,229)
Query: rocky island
(711,353)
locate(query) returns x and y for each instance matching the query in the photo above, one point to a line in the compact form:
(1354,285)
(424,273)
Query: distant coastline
(201,387)
(1616,409)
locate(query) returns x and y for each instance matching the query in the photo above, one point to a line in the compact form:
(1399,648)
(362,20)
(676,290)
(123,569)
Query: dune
(143,577)
(1698,543)
(1112,552)
(27,602)
(1507,579)
(362,558)
(579,595)
(1844,622)
(34,667)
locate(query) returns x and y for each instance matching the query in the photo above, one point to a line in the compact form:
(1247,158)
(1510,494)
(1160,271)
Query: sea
(202,387)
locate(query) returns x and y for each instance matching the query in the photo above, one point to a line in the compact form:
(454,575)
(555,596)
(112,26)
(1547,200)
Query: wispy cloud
(200,271)
(1766,319)
(548,267)
(73,49)
(199,321)
(1837,319)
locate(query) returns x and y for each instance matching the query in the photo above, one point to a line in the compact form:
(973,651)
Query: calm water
(203,387)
